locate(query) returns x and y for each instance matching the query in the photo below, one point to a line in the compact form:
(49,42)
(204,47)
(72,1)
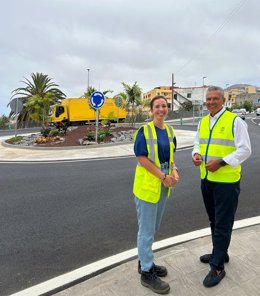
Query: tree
(37,96)
(133,97)
(248,106)
(3,121)
(38,107)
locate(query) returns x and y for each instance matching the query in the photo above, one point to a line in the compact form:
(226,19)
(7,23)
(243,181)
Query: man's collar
(219,113)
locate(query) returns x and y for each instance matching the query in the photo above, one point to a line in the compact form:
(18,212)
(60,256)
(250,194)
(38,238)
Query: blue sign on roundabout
(97,99)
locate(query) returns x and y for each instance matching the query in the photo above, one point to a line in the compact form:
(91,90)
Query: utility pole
(203,85)
(172,90)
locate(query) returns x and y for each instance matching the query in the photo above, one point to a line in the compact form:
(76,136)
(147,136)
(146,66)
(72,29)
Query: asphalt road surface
(58,217)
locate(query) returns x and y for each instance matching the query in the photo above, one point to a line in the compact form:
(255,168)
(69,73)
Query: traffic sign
(118,101)
(258,100)
(16,105)
(97,99)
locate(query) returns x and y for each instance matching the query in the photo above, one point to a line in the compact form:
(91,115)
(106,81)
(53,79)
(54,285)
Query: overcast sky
(127,41)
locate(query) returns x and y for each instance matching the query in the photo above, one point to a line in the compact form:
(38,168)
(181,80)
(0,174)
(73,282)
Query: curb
(80,159)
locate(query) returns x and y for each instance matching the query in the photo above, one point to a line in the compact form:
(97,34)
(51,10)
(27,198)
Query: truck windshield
(59,111)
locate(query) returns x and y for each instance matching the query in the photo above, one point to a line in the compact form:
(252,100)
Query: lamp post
(88,77)
(203,80)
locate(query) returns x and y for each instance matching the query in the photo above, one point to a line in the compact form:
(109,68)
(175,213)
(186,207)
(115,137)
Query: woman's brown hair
(157,98)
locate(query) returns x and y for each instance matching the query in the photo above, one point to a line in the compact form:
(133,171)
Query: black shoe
(152,281)
(213,278)
(206,258)
(159,270)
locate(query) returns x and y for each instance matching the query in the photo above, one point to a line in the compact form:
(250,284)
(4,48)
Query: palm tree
(38,107)
(37,96)
(133,96)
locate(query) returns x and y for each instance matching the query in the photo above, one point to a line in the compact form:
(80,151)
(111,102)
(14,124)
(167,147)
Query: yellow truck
(77,111)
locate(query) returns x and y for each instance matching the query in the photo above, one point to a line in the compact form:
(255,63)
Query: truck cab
(58,113)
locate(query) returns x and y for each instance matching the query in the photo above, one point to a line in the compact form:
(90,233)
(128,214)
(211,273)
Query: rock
(81,142)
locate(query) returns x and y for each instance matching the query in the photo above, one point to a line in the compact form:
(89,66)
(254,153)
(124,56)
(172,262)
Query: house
(196,95)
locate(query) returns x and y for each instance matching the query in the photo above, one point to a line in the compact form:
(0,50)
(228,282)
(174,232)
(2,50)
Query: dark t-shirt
(140,148)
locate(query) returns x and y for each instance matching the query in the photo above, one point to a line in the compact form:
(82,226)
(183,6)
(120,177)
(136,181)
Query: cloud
(123,40)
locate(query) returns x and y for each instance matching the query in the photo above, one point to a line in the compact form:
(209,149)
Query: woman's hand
(171,181)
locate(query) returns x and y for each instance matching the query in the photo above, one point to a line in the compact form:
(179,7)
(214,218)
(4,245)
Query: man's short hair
(216,88)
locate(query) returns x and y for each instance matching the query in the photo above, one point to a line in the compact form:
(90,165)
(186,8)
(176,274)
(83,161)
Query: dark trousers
(220,200)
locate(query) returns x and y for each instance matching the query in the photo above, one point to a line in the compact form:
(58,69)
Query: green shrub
(90,136)
(53,133)
(15,139)
(103,134)
(45,132)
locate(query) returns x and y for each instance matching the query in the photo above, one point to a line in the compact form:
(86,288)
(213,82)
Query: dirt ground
(72,136)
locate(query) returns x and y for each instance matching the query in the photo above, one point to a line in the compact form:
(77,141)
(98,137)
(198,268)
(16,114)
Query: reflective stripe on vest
(216,144)
(224,142)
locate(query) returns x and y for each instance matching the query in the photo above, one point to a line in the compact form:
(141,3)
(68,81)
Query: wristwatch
(223,163)
(175,168)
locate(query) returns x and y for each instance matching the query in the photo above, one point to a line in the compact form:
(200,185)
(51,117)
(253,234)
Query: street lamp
(203,80)
(88,77)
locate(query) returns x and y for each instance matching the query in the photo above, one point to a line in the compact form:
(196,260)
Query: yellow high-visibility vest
(217,143)
(147,186)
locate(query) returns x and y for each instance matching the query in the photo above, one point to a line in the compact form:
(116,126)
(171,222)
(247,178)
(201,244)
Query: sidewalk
(185,272)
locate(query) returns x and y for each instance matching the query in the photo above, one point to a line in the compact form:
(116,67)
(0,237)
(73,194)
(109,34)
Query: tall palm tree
(37,95)
(133,96)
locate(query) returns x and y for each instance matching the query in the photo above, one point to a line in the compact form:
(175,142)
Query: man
(221,144)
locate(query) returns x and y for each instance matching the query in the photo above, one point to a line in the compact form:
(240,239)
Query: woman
(155,174)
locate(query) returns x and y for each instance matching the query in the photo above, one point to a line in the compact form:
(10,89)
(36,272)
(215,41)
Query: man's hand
(197,159)
(213,165)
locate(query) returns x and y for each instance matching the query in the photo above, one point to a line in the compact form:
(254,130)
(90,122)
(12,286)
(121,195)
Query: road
(58,217)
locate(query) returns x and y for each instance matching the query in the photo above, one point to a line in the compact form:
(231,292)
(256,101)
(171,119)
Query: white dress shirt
(241,139)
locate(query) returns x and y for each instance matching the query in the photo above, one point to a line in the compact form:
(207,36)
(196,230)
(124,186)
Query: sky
(142,41)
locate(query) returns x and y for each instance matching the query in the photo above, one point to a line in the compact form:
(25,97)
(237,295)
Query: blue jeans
(149,216)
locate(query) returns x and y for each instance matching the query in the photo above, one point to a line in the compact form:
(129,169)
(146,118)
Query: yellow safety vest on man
(147,186)
(217,143)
